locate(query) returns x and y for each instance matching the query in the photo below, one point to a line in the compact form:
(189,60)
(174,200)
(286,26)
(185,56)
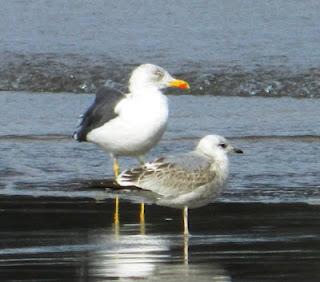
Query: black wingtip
(76,136)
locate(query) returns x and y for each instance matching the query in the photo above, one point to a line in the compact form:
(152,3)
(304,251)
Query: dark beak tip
(238,151)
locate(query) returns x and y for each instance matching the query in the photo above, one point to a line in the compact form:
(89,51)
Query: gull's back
(100,112)
(172,175)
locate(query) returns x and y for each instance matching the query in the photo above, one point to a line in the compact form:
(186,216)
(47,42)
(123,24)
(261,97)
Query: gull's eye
(223,145)
(159,74)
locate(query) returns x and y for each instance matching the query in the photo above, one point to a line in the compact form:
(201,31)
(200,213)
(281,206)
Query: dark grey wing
(100,112)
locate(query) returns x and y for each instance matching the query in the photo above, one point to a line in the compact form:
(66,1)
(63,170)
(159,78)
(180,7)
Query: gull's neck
(218,159)
(143,89)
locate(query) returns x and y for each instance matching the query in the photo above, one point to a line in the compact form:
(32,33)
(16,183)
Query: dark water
(74,240)
(246,48)
(56,216)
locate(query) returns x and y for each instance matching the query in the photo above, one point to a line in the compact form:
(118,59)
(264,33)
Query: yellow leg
(186,250)
(116,170)
(141,213)
(142,222)
(185,222)
(116,167)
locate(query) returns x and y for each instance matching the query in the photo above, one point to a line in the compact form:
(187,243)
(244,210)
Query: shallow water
(74,240)
(56,215)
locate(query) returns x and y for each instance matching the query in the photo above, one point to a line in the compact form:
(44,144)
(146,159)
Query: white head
(216,147)
(152,76)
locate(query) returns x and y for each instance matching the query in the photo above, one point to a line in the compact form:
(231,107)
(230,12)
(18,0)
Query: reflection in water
(193,272)
(116,218)
(186,249)
(239,240)
(126,255)
(147,256)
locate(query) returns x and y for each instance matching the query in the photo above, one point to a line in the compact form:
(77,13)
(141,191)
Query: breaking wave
(78,74)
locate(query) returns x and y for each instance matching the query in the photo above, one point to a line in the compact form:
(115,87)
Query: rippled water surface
(219,32)
(57,216)
(247,48)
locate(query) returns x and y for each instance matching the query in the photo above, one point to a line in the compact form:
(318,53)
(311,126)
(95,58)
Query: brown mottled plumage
(187,180)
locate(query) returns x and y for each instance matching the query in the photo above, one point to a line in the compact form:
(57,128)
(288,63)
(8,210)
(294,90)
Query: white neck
(138,89)
(219,159)
(147,93)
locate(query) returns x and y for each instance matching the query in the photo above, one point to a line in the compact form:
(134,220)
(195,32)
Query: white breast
(140,125)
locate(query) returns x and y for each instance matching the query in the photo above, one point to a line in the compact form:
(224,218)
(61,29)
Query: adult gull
(129,124)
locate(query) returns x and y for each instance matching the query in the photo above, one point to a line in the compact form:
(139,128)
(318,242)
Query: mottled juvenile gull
(187,180)
(129,124)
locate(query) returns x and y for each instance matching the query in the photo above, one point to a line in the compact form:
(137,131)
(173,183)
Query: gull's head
(152,76)
(215,145)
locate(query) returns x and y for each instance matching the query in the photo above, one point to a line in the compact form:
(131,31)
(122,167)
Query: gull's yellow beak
(179,84)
